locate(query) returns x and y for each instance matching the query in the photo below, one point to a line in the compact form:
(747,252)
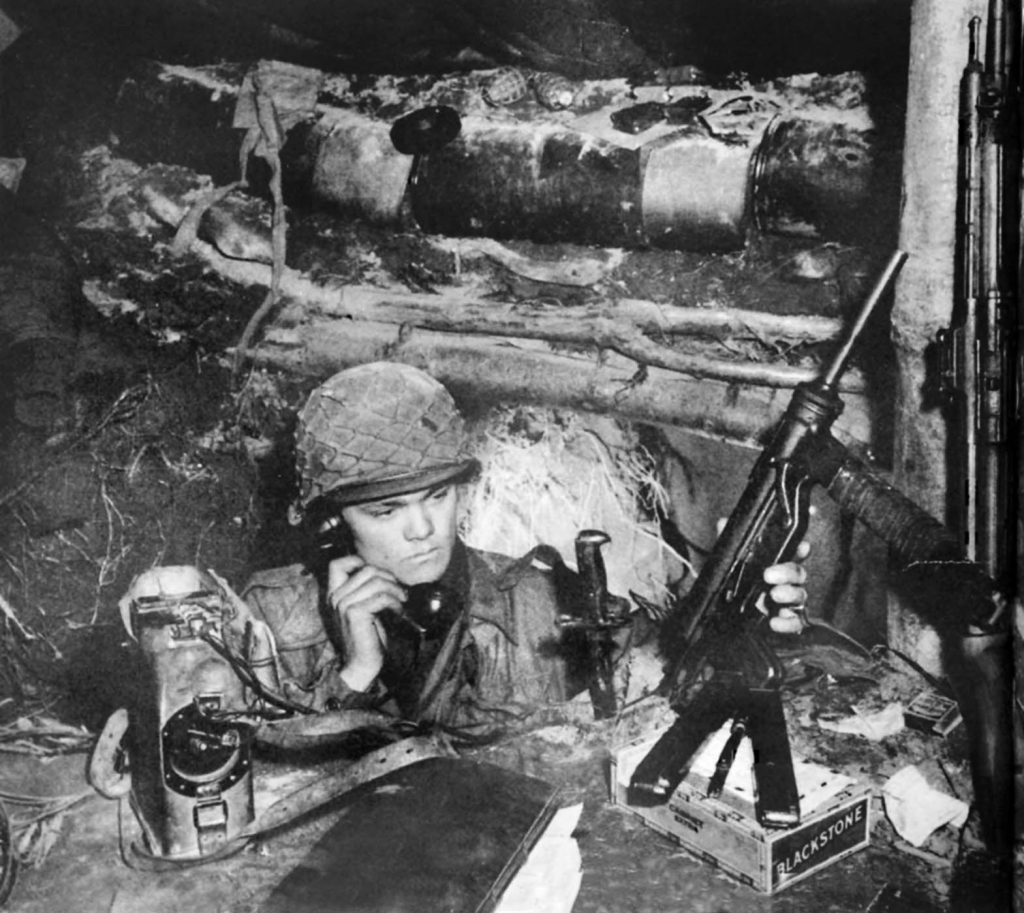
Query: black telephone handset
(331,539)
(430,608)
(328,538)
(415,639)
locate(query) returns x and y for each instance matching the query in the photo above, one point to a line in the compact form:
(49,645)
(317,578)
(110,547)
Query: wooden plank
(487,369)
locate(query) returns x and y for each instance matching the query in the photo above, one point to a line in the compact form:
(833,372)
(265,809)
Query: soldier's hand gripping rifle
(725,669)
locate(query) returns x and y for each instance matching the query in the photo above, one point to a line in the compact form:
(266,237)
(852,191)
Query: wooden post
(924,292)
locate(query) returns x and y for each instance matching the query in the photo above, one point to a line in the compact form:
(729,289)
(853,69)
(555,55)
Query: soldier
(398,607)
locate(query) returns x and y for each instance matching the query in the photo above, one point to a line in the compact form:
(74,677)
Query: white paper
(916,809)
(874,726)
(549,880)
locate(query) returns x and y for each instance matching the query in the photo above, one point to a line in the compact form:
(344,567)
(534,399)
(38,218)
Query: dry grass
(547,475)
(131,485)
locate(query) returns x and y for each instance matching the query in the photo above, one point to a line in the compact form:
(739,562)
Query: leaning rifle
(981,375)
(977,347)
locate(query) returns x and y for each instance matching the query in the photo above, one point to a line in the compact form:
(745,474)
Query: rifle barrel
(838,365)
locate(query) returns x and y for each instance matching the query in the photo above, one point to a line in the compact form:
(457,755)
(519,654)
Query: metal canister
(542,182)
(695,192)
(813,179)
(357,167)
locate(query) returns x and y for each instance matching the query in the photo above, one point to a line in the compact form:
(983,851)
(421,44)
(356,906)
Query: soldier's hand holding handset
(358,592)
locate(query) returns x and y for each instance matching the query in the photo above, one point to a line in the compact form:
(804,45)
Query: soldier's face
(412,535)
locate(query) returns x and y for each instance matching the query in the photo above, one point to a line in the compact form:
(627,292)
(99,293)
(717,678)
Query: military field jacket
(502,660)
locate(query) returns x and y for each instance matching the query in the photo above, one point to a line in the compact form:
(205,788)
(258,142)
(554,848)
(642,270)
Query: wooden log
(689,191)
(338,301)
(549,176)
(622,326)
(474,316)
(600,326)
(483,370)
(538,181)
(235,227)
(320,330)
(569,323)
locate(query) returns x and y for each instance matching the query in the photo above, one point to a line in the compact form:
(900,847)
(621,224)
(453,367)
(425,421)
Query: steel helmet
(378,430)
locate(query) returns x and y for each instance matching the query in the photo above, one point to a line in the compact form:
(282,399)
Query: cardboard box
(932,712)
(835,818)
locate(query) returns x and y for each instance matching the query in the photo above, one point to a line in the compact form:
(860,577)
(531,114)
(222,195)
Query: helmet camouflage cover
(378,430)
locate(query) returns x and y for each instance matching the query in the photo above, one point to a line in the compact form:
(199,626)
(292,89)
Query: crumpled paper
(916,809)
(874,726)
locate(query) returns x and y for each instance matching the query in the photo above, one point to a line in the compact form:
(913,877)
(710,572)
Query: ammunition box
(836,818)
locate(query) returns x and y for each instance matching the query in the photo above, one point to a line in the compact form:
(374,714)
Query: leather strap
(322,790)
